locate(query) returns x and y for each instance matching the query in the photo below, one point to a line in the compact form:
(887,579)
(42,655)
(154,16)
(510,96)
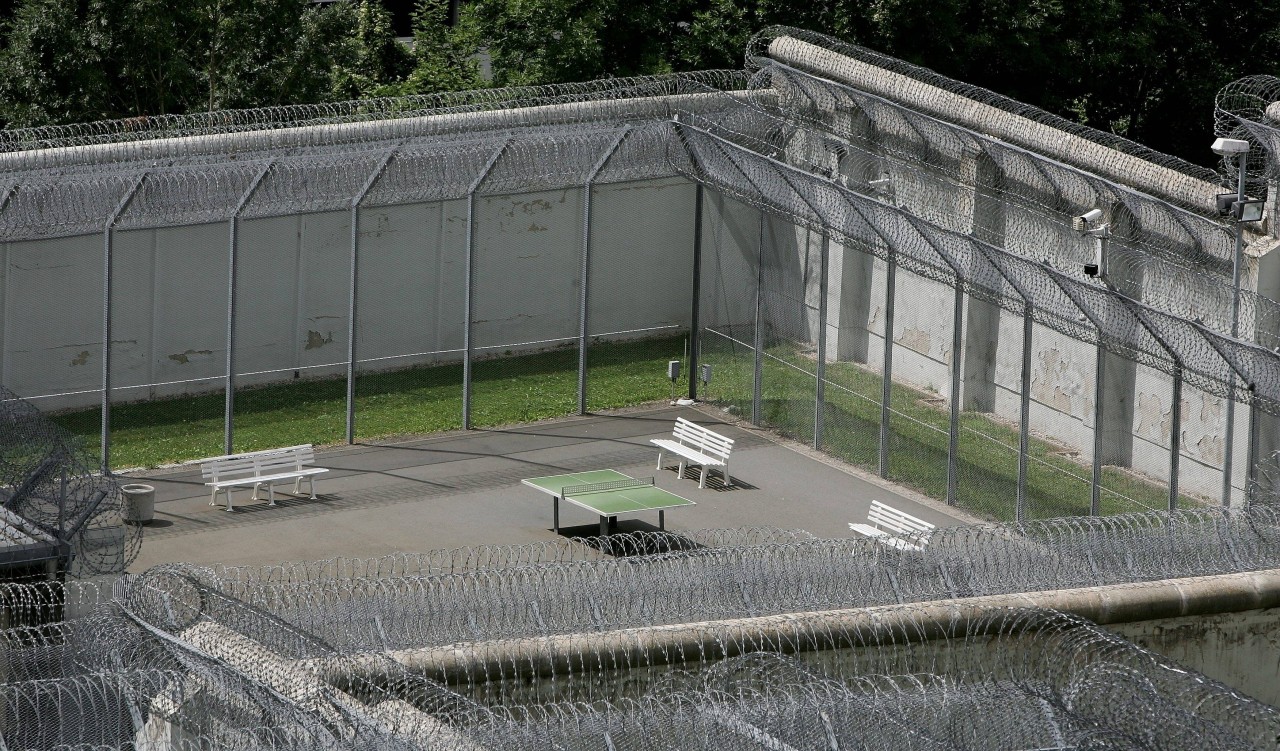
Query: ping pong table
(607,493)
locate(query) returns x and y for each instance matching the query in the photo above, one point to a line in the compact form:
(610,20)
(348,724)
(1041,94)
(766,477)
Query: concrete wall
(169,293)
(1241,649)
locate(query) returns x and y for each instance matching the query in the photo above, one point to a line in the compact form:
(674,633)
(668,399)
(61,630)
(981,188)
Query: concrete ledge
(820,630)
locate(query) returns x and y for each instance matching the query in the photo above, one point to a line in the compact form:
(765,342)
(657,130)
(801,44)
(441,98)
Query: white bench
(894,528)
(258,468)
(694,443)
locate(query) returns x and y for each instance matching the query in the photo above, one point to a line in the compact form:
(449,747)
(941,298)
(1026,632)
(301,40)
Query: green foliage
(104,59)
(444,57)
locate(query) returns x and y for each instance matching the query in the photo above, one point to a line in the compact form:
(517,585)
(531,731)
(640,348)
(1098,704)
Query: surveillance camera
(1229,146)
(1082,222)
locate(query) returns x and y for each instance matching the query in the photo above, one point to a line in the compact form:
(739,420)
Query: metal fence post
(468,302)
(953,436)
(695,330)
(584,300)
(108,259)
(758,335)
(1099,414)
(355,279)
(1024,418)
(228,420)
(1175,438)
(886,388)
(820,408)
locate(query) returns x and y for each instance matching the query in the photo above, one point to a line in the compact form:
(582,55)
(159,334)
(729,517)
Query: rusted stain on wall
(1153,419)
(917,340)
(80,359)
(182,358)
(316,340)
(1047,385)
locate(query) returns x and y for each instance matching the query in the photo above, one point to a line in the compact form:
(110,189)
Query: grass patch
(505,390)
(1057,485)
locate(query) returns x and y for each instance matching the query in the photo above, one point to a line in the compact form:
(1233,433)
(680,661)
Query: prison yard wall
(293,278)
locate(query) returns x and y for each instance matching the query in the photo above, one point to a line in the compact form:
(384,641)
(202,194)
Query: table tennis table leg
(604,526)
(662,518)
(555,513)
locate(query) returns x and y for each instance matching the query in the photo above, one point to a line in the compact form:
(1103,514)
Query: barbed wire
(177,658)
(47,480)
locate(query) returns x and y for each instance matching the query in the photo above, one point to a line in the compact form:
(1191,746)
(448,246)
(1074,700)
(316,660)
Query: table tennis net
(600,487)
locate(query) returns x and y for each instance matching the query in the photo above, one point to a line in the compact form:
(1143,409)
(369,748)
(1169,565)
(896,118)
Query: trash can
(140,503)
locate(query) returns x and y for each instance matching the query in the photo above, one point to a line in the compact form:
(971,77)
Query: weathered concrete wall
(1240,649)
(169,294)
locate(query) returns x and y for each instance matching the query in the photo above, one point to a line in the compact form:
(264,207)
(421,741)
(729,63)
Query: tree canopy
(1145,69)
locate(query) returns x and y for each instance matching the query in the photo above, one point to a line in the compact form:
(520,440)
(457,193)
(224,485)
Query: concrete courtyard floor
(463,488)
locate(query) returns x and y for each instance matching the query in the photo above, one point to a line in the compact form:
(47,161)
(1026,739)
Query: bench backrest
(254,463)
(891,519)
(706,441)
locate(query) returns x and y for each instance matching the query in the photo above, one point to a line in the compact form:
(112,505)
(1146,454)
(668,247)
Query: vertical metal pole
(1175,438)
(229,408)
(1251,465)
(1099,439)
(1235,330)
(695,324)
(820,395)
(228,433)
(467,304)
(1024,418)
(585,271)
(886,388)
(758,336)
(105,445)
(351,323)
(953,438)
(107,259)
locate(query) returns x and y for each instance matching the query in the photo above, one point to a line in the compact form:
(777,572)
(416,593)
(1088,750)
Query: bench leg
(725,471)
(271,494)
(680,470)
(702,477)
(659,459)
(311,483)
(229,505)
(213,497)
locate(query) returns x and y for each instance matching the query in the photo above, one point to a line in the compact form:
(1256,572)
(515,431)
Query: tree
(104,59)
(444,56)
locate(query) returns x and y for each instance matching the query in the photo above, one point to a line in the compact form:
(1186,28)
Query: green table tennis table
(608,493)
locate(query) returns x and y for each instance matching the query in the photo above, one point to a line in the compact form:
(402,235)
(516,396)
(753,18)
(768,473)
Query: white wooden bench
(258,468)
(894,528)
(694,443)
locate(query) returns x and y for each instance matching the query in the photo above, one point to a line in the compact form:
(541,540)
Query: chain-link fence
(335,274)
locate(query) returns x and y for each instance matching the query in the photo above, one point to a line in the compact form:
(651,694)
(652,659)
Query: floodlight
(1230,146)
(1248,210)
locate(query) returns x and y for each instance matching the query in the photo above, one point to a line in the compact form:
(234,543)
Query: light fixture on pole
(1090,223)
(1241,210)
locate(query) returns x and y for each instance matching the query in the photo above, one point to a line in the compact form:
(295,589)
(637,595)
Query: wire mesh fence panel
(640,273)
(918,415)
(853,387)
(1200,466)
(526,289)
(167,380)
(56,289)
(1143,482)
(292,307)
(790,275)
(727,307)
(410,296)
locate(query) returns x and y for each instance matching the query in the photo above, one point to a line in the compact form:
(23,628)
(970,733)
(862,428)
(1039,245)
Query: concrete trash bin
(140,503)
